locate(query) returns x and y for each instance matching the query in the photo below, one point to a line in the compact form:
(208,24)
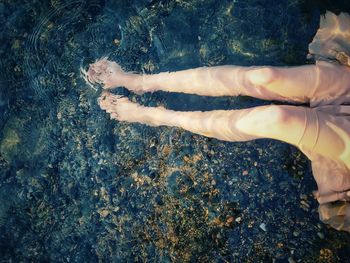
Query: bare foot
(108,73)
(121,108)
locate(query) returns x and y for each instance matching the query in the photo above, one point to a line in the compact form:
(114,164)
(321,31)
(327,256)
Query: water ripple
(37,31)
(43,49)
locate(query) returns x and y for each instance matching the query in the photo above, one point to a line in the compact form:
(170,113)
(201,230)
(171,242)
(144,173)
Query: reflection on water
(76,186)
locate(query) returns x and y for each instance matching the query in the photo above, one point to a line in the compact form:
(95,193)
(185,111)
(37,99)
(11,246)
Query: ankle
(132,81)
(157,116)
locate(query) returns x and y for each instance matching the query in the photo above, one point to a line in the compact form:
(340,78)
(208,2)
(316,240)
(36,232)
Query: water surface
(78,187)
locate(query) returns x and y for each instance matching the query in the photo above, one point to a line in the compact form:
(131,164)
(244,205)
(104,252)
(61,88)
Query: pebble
(229,220)
(263,227)
(320,235)
(296,233)
(304,203)
(104,213)
(234,179)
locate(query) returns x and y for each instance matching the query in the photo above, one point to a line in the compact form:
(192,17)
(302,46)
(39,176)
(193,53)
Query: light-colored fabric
(332,44)
(332,40)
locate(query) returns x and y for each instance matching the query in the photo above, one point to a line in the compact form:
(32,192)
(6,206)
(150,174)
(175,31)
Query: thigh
(296,84)
(307,128)
(284,123)
(320,84)
(327,135)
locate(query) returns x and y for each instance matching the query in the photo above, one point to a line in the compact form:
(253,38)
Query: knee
(262,119)
(283,118)
(271,115)
(262,75)
(276,114)
(276,122)
(282,122)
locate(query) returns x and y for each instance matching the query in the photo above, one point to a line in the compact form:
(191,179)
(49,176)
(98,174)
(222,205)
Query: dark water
(78,187)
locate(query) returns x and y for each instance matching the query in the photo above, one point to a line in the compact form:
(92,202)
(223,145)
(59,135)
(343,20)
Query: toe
(103,101)
(114,116)
(91,75)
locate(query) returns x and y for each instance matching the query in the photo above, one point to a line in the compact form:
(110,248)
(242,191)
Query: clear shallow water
(76,186)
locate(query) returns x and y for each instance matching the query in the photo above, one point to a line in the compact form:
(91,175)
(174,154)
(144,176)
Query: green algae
(10,143)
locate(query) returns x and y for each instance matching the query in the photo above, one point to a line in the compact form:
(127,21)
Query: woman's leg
(297,84)
(300,126)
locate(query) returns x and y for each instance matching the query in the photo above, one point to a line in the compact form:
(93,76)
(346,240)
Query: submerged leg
(298,84)
(207,81)
(300,126)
